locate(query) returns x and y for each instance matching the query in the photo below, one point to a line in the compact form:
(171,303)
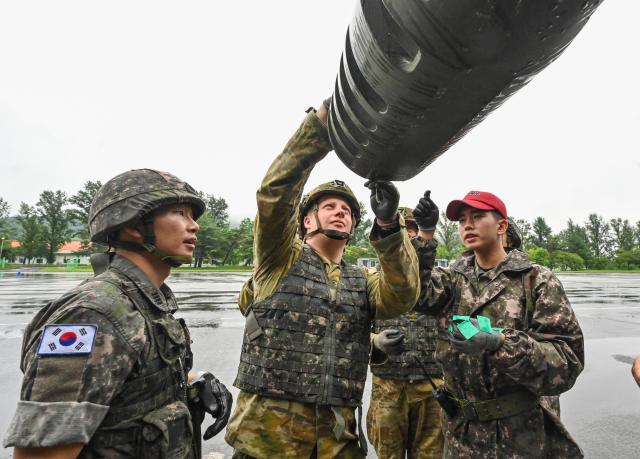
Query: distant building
(67,252)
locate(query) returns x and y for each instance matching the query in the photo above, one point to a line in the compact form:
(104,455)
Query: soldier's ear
(131,234)
(502,226)
(306,221)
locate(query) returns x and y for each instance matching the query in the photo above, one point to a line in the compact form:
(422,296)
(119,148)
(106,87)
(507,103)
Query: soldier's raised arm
(281,190)
(393,289)
(436,291)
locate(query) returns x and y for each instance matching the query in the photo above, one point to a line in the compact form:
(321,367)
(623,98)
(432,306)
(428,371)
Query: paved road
(602,411)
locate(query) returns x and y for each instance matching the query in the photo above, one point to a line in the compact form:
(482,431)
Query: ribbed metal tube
(416,75)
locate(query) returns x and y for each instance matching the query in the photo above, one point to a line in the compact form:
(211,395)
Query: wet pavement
(600,411)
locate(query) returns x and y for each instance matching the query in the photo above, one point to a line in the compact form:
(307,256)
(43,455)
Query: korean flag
(67,339)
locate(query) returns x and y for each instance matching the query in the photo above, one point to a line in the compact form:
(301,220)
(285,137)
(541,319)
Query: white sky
(212,90)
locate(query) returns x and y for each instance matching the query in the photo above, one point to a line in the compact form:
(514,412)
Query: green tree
(5,208)
(208,236)
(217,207)
(526,231)
(628,259)
(80,213)
(541,233)
(32,241)
(539,255)
(622,234)
(449,245)
(574,239)
(360,236)
(243,252)
(50,208)
(566,260)
(237,243)
(598,235)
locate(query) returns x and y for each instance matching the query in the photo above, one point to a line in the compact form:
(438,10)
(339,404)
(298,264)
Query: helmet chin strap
(149,245)
(331,234)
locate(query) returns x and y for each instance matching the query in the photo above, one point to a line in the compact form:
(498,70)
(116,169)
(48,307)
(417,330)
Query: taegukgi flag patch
(67,339)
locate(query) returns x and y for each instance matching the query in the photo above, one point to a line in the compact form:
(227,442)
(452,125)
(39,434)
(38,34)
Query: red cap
(482,200)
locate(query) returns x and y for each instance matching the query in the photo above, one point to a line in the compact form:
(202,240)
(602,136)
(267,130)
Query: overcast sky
(211,91)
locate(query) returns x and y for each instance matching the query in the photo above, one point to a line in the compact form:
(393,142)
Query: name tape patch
(67,339)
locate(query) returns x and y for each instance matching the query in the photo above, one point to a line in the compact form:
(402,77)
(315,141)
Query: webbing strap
(498,408)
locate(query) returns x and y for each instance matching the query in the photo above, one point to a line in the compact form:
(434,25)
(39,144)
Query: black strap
(501,407)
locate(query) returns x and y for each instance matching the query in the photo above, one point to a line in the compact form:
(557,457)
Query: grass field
(187,269)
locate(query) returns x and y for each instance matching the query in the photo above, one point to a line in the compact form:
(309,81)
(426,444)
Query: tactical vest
(420,335)
(300,345)
(149,417)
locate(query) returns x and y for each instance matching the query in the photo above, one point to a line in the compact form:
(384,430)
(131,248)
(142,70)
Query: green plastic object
(73,263)
(469,330)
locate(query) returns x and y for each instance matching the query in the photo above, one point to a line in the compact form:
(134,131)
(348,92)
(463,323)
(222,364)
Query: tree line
(57,218)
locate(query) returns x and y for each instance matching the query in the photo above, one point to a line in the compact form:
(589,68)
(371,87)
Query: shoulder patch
(67,339)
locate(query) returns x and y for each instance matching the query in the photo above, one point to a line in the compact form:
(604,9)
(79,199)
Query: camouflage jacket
(417,360)
(132,383)
(543,353)
(391,291)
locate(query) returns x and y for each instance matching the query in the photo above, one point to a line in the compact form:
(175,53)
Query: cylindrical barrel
(416,75)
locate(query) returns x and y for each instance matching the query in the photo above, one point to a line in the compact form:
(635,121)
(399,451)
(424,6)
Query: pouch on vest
(251,327)
(167,433)
(171,339)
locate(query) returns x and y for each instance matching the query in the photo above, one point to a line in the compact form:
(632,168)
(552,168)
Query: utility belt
(504,406)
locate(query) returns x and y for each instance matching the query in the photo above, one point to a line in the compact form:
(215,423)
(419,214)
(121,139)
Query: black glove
(478,343)
(389,341)
(216,400)
(426,213)
(384,199)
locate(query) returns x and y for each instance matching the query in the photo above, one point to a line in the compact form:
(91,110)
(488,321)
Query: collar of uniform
(329,263)
(162,298)
(515,261)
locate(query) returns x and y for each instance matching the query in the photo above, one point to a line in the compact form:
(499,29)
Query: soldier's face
(333,212)
(175,230)
(412,229)
(480,229)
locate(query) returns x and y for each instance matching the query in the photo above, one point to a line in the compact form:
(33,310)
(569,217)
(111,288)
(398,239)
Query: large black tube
(417,75)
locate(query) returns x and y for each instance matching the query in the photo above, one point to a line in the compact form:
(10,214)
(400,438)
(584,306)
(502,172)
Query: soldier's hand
(478,343)
(216,400)
(426,213)
(389,341)
(385,198)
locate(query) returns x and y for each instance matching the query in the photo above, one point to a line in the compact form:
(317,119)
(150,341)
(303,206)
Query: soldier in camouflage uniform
(495,378)
(403,418)
(513,241)
(106,365)
(306,346)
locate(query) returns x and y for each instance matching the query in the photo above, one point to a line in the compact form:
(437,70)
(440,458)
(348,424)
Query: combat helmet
(407,214)
(131,198)
(310,201)
(514,237)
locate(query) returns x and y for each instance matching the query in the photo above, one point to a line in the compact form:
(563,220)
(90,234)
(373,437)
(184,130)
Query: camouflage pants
(404,418)
(266,428)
